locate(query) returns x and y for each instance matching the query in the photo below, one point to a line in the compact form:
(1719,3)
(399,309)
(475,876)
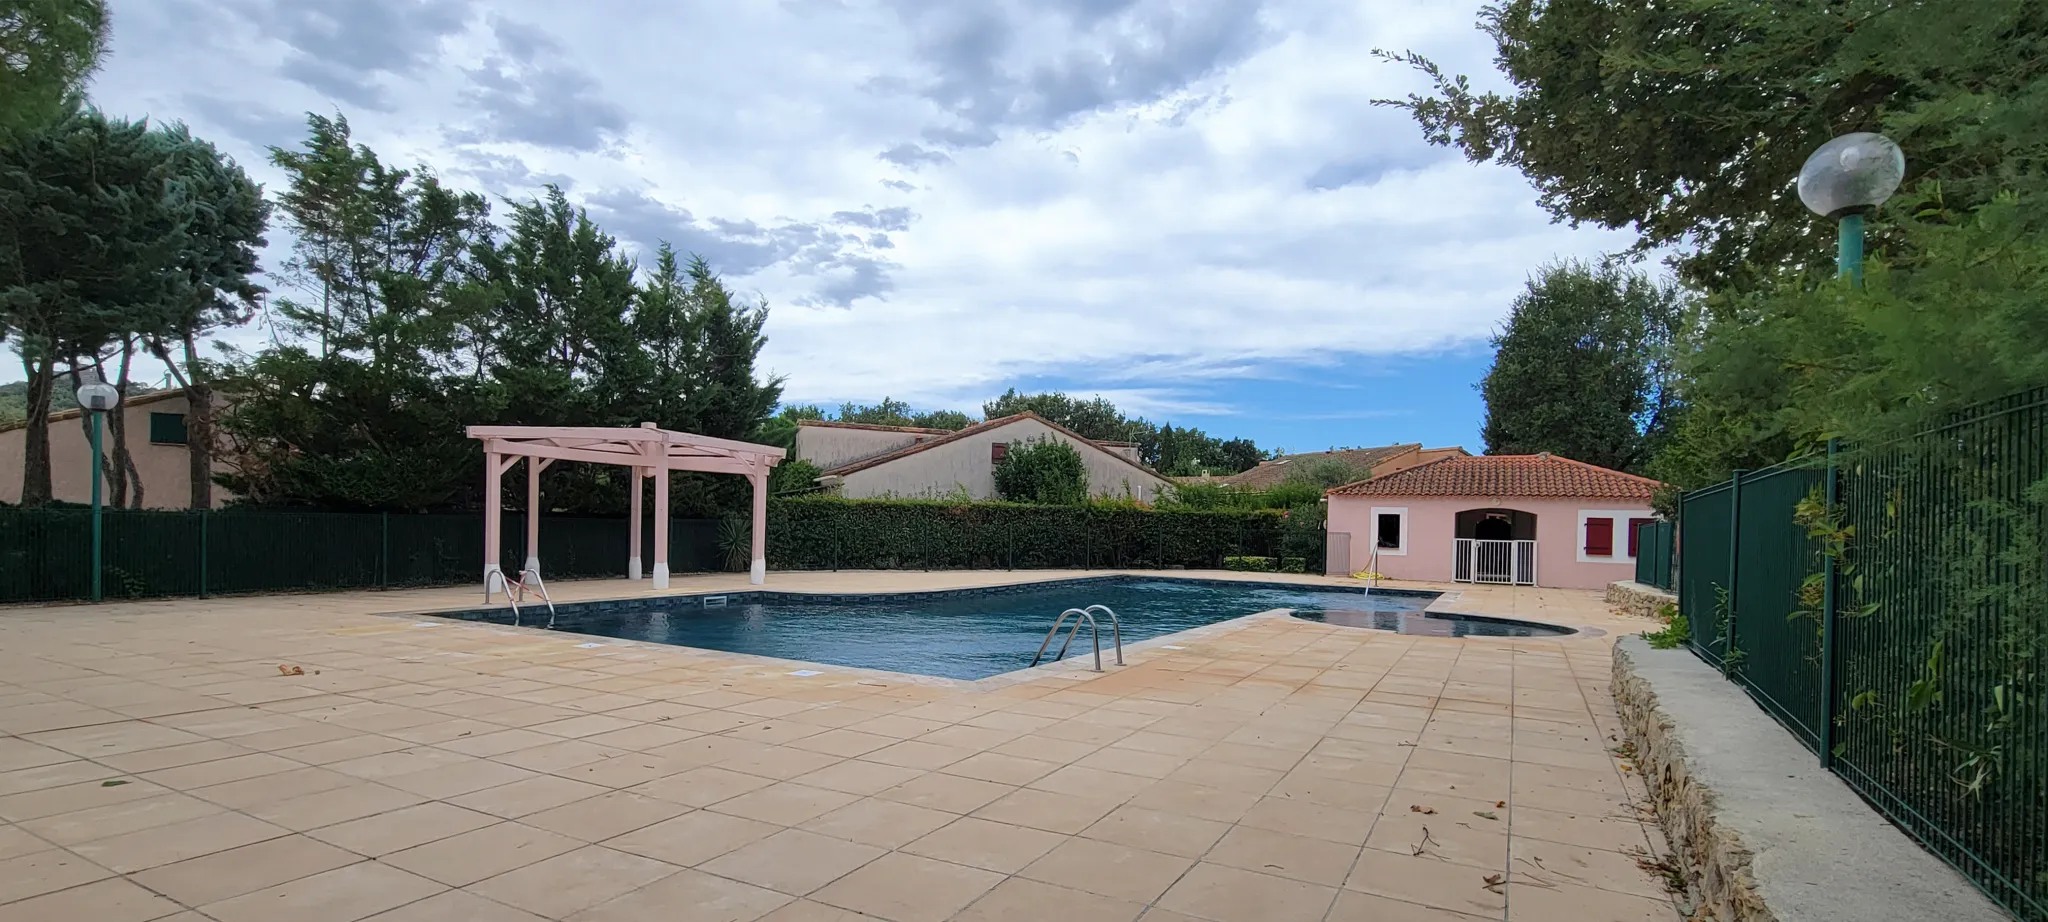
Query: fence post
(1734,557)
(384,550)
(1828,605)
(204,514)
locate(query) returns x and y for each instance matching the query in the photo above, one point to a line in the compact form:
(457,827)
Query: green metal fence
(1655,547)
(46,554)
(1889,605)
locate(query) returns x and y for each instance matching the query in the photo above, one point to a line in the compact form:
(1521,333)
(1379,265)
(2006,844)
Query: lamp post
(1847,177)
(97,398)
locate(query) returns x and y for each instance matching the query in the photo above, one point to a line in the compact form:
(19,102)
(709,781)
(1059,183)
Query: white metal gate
(1479,560)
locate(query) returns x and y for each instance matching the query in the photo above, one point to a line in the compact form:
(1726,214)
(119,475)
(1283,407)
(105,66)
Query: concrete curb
(1762,832)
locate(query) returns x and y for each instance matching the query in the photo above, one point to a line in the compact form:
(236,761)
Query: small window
(1600,537)
(997,451)
(1390,530)
(167,428)
(1635,534)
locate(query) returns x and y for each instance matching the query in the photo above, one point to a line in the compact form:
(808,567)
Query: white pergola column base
(632,568)
(532,564)
(661,576)
(494,580)
(759,573)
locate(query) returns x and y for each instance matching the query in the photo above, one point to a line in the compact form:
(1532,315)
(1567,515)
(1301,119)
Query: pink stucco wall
(164,470)
(1432,524)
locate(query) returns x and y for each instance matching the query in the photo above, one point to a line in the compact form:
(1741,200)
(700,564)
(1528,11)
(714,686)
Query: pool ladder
(1116,633)
(516,590)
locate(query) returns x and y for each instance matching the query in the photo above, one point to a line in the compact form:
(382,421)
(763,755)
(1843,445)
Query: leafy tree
(1095,419)
(942,419)
(1046,471)
(118,186)
(1688,120)
(889,412)
(1580,369)
(1177,452)
(47,50)
(780,429)
(794,475)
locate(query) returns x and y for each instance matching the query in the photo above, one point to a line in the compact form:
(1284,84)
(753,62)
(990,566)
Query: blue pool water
(975,633)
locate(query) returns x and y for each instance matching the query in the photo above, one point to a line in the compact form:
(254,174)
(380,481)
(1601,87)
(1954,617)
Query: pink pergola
(649,451)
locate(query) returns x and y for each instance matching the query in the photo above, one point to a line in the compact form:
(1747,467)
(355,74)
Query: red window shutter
(1600,537)
(996,451)
(1635,531)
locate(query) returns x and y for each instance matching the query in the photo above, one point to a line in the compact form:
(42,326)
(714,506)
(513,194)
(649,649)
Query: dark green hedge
(822,533)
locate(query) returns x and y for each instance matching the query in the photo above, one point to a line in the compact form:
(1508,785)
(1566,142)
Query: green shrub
(1675,632)
(1250,564)
(1047,472)
(823,532)
(1293,565)
(793,476)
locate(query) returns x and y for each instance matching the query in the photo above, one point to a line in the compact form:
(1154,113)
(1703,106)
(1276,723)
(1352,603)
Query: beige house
(1371,462)
(156,439)
(862,461)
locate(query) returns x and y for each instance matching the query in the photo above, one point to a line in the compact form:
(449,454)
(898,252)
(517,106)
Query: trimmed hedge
(826,533)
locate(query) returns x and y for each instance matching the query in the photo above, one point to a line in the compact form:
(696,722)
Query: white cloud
(1139,194)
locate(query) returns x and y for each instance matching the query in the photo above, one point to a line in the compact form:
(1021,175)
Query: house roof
(1269,473)
(1504,475)
(977,429)
(73,413)
(835,424)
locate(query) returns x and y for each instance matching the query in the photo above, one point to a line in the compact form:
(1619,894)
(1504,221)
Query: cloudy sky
(1189,206)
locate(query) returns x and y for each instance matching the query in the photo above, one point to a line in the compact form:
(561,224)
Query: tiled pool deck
(157,763)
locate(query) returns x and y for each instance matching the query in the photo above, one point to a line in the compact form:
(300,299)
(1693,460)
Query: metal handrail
(515,590)
(1116,630)
(1093,630)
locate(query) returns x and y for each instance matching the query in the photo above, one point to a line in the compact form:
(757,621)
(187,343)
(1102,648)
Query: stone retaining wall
(1636,599)
(1715,863)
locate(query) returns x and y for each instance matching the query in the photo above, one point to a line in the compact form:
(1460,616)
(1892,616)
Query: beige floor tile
(17,753)
(336,806)
(1254,756)
(1608,831)
(1093,782)
(777,731)
(342,895)
(786,803)
(403,762)
(15,842)
(702,787)
(1578,866)
(1032,746)
(41,872)
(1428,881)
(23,781)
(529,795)
(857,777)
(1062,813)
(221,771)
(251,793)
(113,900)
(1154,830)
(1133,762)
(352,746)
(573,881)
(113,739)
(1565,903)
(950,793)
(1227,776)
(884,823)
(1353,906)
(1331,792)
(1296,857)
(908,888)
(554,757)
(693,838)
(403,828)
(150,760)
(793,861)
(1301,817)
(455,906)
(640,737)
(1194,800)
(606,815)
(1022,900)
(978,739)
(688,894)
(1229,894)
(461,860)
(496,743)
(781,762)
(120,818)
(236,871)
(1000,768)
(586,725)
(72,798)
(843,742)
(808,911)
(913,754)
(1108,869)
(633,768)
(161,845)
(456,780)
(990,846)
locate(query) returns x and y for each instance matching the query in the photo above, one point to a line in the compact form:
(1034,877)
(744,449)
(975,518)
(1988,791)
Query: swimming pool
(976,633)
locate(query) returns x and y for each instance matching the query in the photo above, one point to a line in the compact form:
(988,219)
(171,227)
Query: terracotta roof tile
(835,424)
(1269,473)
(1504,475)
(976,429)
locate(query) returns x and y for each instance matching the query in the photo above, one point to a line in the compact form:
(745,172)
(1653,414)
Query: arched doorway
(1495,546)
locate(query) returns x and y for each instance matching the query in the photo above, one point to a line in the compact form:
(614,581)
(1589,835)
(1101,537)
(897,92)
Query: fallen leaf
(1499,804)
(291,670)
(1485,814)
(1418,808)
(117,782)
(1494,882)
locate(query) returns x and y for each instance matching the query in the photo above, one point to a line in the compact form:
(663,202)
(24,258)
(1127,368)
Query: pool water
(973,634)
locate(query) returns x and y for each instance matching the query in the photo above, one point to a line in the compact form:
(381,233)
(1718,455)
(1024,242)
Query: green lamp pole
(97,398)
(1844,179)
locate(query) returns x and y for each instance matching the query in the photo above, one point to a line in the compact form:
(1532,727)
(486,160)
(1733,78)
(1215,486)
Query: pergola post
(758,573)
(533,468)
(661,525)
(494,488)
(634,523)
